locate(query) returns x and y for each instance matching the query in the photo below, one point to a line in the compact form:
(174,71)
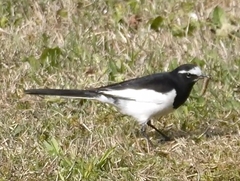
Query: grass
(81,44)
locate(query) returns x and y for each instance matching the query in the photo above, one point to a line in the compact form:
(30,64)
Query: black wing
(160,82)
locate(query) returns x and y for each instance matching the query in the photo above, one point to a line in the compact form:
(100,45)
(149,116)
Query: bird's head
(189,73)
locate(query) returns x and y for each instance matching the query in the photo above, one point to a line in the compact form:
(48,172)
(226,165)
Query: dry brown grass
(109,41)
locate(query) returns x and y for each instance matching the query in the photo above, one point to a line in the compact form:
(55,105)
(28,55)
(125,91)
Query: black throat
(183,89)
(182,95)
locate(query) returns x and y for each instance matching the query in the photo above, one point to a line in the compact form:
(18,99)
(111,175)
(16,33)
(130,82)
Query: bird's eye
(188,75)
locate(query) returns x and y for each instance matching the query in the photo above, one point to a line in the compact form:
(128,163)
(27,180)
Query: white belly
(140,104)
(143,111)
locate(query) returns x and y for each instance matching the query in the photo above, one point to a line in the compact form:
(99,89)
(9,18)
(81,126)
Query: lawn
(81,44)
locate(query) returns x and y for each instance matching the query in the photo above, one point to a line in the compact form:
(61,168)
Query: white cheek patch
(194,71)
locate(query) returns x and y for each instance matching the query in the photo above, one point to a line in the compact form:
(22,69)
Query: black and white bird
(142,98)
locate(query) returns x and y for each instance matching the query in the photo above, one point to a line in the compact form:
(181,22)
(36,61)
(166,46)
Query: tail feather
(64,92)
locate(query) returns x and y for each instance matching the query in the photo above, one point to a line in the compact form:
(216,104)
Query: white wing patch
(195,71)
(141,95)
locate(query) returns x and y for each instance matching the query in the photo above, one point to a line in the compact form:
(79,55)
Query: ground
(84,44)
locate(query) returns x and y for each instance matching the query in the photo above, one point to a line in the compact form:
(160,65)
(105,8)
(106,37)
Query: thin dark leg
(166,138)
(144,134)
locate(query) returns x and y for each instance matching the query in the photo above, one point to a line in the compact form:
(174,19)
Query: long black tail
(87,94)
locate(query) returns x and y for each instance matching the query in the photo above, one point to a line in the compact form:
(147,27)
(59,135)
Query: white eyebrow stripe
(195,71)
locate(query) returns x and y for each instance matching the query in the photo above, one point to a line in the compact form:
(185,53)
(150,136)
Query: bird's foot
(164,136)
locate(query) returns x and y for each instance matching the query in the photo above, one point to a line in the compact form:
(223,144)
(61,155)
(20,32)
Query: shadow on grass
(204,131)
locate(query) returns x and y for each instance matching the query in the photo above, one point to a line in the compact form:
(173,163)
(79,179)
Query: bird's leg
(144,134)
(166,138)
